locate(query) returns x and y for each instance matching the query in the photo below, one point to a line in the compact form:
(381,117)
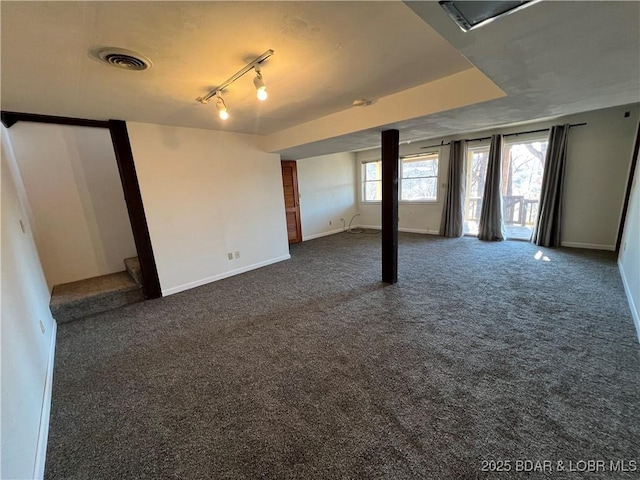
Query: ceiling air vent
(473,14)
(121,58)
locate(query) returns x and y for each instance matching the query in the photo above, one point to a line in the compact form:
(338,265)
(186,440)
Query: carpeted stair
(76,300)
(133,267)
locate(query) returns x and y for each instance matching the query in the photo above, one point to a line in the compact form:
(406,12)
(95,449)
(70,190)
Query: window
(419,178)
(372,181)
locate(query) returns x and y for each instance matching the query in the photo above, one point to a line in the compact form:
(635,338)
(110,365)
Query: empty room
(320,239)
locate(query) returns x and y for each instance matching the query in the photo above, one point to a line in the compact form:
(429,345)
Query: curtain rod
(522,133)
(441,144)
(505,135)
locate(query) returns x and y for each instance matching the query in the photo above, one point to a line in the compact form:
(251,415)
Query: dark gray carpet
(312,368)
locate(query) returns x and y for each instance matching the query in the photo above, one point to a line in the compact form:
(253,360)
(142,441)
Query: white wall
(27,352)
(207,193)
(629,258)
(79,215)
(327,193)
(598,159)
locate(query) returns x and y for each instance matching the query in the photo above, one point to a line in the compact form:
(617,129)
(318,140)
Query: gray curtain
(547,231)
(490,226)
(453,211)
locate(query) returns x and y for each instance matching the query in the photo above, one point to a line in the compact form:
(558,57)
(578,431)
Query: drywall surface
(25,348)
(412,216)
(629,258)
(72,184)
(598,159)
(327,194)
(460,89)
(207,194)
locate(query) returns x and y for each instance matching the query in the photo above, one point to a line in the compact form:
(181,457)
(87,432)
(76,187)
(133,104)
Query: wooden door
(291,200)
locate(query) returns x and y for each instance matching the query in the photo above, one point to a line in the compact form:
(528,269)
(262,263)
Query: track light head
(261,88)
(222,107)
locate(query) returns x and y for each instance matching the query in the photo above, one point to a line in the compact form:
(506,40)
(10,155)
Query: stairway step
(74,300)
(133,267)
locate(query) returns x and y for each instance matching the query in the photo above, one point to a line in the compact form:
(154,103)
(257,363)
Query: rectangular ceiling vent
(474,14)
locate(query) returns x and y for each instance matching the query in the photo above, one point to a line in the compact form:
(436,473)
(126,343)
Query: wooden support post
(390,157)
(133,199)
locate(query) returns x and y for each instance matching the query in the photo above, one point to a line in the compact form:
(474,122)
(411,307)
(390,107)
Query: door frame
(128,179)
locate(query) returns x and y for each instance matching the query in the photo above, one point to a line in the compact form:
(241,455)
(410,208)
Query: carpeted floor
(312,368)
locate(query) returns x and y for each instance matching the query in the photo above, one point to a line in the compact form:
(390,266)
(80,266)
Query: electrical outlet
(42,329)
(237,254)
(230,255)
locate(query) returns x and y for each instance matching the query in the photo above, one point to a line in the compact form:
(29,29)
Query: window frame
(478,145)
(401,178)
(363,179)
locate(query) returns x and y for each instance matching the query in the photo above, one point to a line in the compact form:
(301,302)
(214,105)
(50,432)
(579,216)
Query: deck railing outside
(518,210)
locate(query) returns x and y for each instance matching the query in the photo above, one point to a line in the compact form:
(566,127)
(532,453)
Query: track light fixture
(261,89)
(222,107)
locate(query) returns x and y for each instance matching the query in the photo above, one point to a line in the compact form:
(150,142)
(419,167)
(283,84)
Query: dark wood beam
(8,119)
(11,118)
(133,198)
(390,160)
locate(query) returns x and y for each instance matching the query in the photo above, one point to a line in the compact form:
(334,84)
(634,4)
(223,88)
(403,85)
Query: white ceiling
(551,59)
(326,55)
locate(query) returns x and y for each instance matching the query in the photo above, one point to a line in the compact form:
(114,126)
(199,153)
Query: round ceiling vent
(121,58)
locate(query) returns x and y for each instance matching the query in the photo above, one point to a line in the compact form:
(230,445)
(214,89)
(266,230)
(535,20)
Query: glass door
(522,167)
(477,160)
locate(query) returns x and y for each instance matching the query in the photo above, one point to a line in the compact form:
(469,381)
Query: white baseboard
(323,234)
(220,276)
(415,230)
(401,229)
(590,246)
(43,433)
(634,308)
